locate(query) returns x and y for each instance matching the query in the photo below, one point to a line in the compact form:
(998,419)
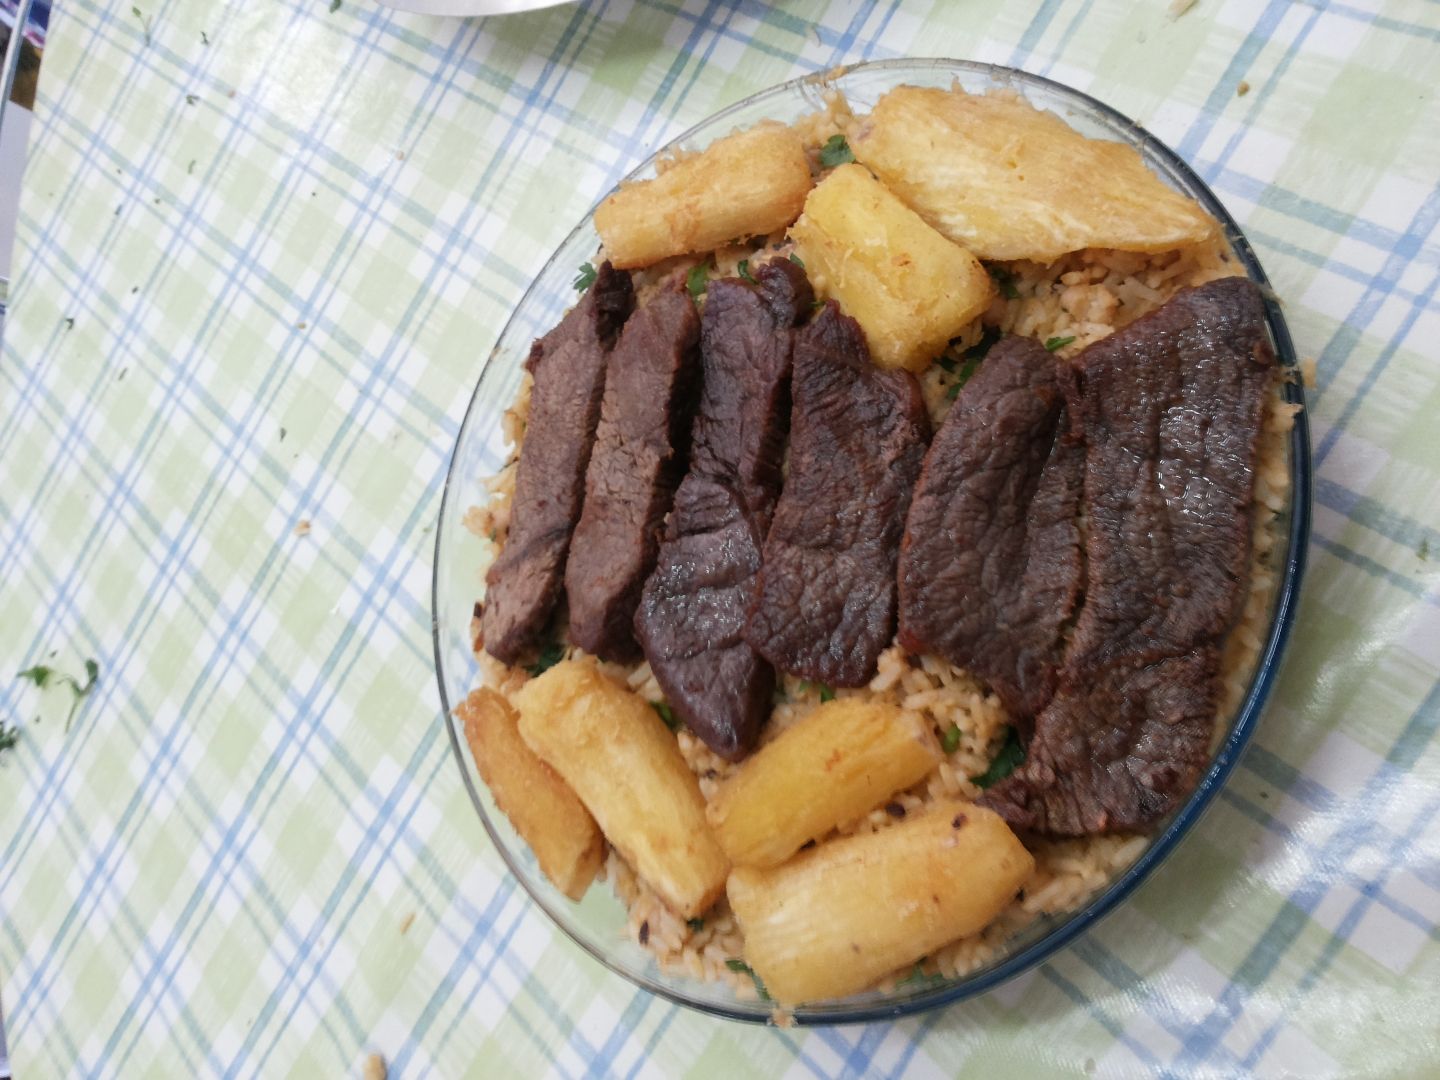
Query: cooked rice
(1083,296)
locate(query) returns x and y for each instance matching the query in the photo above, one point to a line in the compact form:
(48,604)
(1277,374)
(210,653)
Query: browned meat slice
(568,365)
(746,336)
(693,607)
(639,456)
(1116,753)
(990,565)
(1172,412)
(825,606)
(692,617)
(1172,408)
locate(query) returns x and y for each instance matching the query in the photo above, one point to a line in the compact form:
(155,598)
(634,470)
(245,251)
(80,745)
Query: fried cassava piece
(1008,181)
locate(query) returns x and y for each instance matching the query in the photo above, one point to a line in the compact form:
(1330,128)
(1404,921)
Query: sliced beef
(568,365)
(692,617)
(1115,752)
(638,459)
(692,610)
(990,565)
(746,336)
(1172,410)
(825,606)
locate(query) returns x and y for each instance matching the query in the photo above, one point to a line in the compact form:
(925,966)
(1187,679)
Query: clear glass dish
(597,924)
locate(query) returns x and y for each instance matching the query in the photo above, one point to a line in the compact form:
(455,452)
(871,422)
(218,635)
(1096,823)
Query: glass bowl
(597,923)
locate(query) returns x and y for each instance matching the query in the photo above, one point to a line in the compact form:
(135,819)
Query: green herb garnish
(950,739)
(69,322)
(695,925)
(585,278)
(9,736)
(1051,344)
(797,260)
(744,270)
(144,22)
(836,151)
(740,965)
(550,655)
(920,977)
(1011,754)
(1424,549)
(667,714)
(203,39)
(43,676)
(1006,282)
(826,694)
(972,357)
(191,99)
(190,169)
(334,6)
(697,278)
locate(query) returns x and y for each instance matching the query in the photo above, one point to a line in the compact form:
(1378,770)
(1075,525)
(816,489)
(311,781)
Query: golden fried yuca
(613,749)
(834,766)
(566,841)
(750,183)
(910,288)
(1009,181)
(835,918)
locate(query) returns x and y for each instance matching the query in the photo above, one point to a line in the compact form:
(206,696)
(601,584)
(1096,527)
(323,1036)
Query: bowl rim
(1225,757)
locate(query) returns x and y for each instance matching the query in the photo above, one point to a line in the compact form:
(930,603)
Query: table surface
(263,249)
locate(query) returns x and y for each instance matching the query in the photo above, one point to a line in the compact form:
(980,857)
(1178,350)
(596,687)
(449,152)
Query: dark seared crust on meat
(1172,413)
(1172,408)
(692,610)
(825,607)
(990,566)
(568,364)
(692,617)
(746,336)
(639,456)
(1116,752)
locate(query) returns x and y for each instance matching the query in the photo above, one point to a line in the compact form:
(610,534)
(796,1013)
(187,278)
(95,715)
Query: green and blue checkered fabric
(263,249)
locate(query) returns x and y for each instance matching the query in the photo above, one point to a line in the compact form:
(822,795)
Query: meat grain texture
(639,456)
(825,607)
(990,567)
(568,366)
(1172,411)
(691,617)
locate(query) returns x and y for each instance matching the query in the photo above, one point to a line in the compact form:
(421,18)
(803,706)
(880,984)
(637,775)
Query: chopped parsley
(950,740)
(836,151)
(1424,549)
(740,965)
(797,260)
(971,358)
(334,6)
(43,676)
(585,278)
(144,22)
(667,714)
(190,169)
(696,279)
(550,655)
(69,322)
(1011,754)
(826,694)
(203,39)
(744,270)
(920,977)
(696,925)
(1054,343)
(1005,280)
(191,99)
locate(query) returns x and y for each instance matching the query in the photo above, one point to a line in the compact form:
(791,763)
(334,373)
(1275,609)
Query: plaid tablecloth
(264,247)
